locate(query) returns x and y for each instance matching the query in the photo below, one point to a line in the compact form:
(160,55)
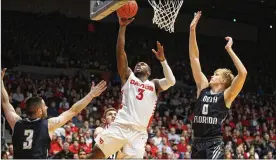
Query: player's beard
(140,74)
(44,115)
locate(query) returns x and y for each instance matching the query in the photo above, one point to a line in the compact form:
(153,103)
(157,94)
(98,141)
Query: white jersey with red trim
(138,102)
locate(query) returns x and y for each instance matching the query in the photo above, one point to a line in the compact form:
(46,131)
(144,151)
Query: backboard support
(100,9)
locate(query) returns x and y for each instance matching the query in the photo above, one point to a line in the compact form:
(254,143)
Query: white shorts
(119,136)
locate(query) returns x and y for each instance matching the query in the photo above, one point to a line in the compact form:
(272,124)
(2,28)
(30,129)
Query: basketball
(128,10)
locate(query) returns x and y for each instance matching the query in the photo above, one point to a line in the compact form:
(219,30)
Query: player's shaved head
(32,104)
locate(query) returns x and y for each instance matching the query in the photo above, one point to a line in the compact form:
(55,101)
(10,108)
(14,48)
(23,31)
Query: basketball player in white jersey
(108,117)
(139,98)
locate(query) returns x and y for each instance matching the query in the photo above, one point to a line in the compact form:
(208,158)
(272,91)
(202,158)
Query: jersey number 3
(205,109)
(29,140)
(140,95)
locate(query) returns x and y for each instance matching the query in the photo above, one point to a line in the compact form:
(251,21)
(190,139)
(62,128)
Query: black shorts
(208,148)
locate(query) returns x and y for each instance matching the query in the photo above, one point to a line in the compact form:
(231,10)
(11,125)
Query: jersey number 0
(205,109)
(29,140)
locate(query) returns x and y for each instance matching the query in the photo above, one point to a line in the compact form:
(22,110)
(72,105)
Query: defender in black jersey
(108,117)
(214,99)
(31,136)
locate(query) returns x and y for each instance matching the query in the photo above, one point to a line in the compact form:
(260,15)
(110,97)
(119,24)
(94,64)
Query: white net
(165,13)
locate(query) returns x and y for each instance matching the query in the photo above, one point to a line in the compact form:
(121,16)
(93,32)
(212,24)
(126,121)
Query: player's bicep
(231,93)
(57,122)
(10,114)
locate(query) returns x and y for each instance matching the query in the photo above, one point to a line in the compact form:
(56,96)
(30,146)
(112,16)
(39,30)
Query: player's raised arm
(8,109)
(231,93)
(169,80)
(122,63)
(59,121)
(199,77)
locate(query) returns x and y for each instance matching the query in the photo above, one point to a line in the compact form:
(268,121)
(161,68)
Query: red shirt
(245,123)
(74,129)
(154,149)
(54,147)
(239,140)
(86,148)
(185,128)
(182,147)
(249,138)
(58,94)
(164,135)
(74,149)
(232,124)
(273,138)
(68,133)
(270,118)
(172,125)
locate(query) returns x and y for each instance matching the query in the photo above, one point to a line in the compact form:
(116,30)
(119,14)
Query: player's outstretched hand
(195,20)
(98,89)
(3,73)
(124,21)
(229,43)
(160,52)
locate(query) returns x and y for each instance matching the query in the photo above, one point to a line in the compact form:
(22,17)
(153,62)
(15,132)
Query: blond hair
(226,75)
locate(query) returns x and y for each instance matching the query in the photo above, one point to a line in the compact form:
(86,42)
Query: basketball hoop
(165,13)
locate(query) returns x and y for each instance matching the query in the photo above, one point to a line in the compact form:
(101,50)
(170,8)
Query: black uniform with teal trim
(209,113)
(31,139)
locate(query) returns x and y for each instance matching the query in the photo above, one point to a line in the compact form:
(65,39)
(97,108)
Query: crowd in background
(55,41)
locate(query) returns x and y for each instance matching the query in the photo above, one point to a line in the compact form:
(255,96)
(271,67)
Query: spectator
(10,152)
(55,145)
(75,147)
(82,154)
(52,110)
(174,138)
(88,138)
(270,155)
(63,106)
(164,146)
(4,155)
(182,146)
(65,153)
(157,138)
(18,96)
(187,155)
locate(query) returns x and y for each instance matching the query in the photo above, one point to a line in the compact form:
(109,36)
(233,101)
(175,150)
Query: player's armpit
(231,93)
(164,83)
(161,85)
(10,114)
(158,88)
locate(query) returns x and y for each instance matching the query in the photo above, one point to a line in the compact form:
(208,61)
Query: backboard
(99,9)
